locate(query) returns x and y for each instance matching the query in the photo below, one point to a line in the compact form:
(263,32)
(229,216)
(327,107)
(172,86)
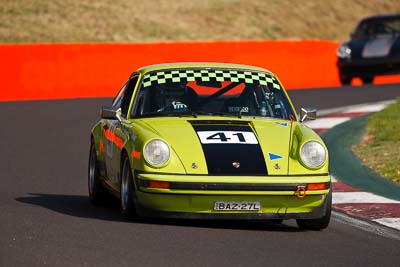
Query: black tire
(367,80)
(97,193)
(127,191)
(317,224)
(344,80)
(277,221)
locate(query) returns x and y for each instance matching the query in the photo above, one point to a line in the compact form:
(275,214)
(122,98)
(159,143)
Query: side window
(118,99)
(126,99)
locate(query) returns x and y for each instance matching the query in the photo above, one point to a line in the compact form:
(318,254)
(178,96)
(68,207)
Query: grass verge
(379,148)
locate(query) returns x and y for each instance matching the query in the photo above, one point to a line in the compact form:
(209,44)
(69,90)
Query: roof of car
(382,16)
(183,65)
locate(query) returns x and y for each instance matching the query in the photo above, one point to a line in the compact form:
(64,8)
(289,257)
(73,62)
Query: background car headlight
(344,51)
(156,152)
(313,154)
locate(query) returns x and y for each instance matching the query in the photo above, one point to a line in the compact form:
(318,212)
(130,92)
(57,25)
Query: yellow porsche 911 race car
(209,141)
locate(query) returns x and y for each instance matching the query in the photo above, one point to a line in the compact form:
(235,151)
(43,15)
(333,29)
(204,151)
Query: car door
(120,131)
(108,136)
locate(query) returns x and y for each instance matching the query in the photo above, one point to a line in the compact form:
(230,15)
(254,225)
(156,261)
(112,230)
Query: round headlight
(344,51)
(313,154)
(156,152)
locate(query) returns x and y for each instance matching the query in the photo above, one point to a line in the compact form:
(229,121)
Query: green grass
(165,20)
(380,147)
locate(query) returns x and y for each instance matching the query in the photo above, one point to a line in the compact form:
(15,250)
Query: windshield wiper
(193,114)
(223,114)
(169,114)
(185,114)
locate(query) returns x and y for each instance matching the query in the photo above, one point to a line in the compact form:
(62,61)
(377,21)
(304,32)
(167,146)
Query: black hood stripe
(234,149)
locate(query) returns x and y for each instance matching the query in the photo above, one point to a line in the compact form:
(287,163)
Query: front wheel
(97,193)
(127,190)
(345,80)
(320,223)
(277,221)
(367,80)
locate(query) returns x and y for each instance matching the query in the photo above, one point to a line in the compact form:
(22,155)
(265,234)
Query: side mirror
(111,114)
(308,114)
(108,113)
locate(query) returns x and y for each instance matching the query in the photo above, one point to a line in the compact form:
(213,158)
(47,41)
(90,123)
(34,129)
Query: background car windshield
(212,92)
(374,28)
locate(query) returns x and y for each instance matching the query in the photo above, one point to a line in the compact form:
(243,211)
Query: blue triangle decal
(274,156)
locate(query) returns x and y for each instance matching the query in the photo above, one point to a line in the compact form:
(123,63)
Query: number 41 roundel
(227,137)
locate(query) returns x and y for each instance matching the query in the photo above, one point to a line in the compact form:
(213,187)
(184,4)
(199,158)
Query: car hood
(227,146)
(374,47)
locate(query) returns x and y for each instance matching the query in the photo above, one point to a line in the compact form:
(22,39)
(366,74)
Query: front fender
(139,136)
(301,134)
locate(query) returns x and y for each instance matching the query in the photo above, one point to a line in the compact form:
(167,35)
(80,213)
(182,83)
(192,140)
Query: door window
(126,99)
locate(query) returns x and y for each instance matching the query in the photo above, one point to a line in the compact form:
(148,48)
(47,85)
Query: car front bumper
(368,67)
(194,197)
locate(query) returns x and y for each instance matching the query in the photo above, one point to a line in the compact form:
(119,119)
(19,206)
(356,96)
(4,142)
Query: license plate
(234,205)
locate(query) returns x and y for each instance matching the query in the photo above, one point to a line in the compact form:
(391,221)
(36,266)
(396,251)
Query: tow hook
(301,191)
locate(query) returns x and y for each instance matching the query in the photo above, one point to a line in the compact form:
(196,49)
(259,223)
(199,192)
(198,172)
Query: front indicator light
(317,186)
(159,184)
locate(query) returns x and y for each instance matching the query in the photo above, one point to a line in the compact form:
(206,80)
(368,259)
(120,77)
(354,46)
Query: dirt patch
(366,139)
(161,20)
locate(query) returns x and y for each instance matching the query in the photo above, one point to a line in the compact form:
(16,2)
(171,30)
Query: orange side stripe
(136,154)
(113,138)
(101,146)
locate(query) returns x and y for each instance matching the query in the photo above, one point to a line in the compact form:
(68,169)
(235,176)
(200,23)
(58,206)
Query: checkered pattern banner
(205,75)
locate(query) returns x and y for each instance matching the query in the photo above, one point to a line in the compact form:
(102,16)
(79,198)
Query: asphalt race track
(46,218)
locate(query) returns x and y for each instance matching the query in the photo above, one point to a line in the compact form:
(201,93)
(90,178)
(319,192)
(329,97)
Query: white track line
(347,109)
(368,108)
(390,222)
(359,197)
(367,226)
(326,123)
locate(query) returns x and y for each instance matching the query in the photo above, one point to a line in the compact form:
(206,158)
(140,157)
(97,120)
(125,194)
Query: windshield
(213,92)
(378,27)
